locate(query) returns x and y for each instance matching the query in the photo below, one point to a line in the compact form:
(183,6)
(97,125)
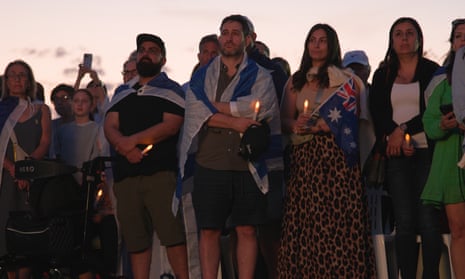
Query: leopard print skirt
(325,226)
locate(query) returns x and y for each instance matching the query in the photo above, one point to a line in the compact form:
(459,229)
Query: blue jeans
(406,178)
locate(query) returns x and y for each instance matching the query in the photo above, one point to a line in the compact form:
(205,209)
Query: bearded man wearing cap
(143,124)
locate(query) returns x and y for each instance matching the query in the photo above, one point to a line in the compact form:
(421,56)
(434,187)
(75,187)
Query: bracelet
(403,127)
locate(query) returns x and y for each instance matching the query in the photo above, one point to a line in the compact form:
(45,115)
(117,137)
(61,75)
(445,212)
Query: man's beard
(232,53)
(148,69)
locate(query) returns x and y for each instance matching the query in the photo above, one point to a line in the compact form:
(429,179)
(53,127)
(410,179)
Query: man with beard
(220,106)
(148,112)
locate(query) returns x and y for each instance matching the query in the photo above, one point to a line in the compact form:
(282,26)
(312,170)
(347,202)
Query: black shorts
(220,194)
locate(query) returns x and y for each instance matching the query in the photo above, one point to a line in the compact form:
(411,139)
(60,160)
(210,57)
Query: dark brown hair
(391,60)
(449,61)
(299,78)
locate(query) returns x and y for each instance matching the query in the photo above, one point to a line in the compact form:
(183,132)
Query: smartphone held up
(87,61)
(445,109)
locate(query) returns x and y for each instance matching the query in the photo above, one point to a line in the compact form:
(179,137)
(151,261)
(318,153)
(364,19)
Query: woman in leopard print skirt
(325,227)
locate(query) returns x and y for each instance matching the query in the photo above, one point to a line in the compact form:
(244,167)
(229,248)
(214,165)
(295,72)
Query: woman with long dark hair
(397,105)
(325,226)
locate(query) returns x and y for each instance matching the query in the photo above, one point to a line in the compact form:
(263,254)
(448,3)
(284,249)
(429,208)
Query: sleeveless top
(28,134)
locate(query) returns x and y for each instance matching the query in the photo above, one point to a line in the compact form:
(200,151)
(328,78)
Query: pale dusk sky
(52,35)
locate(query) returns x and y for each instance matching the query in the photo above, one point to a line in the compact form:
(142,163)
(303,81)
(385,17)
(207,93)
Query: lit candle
(407,139)
(98,197)
(147,149)
(99,194)
(257,108)
(305,106)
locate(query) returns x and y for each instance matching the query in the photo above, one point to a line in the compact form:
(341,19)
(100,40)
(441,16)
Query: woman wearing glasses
(446,184)
(25,132)
(397,105)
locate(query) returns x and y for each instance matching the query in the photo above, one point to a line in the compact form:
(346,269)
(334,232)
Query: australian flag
(340,113)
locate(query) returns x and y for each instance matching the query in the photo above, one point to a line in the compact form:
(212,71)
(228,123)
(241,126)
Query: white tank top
(405,100)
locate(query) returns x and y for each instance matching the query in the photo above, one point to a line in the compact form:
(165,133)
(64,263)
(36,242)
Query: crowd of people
(248,150)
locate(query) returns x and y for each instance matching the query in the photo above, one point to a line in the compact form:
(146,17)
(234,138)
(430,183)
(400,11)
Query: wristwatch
(403,127)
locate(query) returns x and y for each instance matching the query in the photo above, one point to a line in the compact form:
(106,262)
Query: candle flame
(407,139)
(147,149)
(99,193)
(305,106)
(257,108)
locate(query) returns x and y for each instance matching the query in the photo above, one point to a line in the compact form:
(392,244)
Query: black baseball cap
(144,37)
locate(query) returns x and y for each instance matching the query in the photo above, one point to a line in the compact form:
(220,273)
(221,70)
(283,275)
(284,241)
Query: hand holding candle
(98,198)
(407,139)
(99,194)
(257,109)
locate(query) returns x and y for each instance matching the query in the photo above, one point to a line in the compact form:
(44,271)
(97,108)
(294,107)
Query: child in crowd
(80,141)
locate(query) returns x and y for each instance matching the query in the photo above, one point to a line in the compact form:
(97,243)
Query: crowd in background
(272,160)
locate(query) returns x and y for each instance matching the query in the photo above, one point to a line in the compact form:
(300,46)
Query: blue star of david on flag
(340,113)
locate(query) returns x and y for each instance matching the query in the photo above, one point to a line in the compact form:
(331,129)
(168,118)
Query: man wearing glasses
(61,98)
(129,69)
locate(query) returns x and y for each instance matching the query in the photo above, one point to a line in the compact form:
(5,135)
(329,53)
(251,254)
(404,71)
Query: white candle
(306,106)
(147,149)
(257,108)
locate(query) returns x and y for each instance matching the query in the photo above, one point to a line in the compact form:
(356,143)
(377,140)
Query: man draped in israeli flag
(148,112)
(199,109)
(220,105)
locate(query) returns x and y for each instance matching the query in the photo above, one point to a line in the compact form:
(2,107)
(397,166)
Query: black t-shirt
(137,113)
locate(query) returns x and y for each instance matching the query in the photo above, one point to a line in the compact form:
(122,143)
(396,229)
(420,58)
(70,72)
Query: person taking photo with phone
(95,86)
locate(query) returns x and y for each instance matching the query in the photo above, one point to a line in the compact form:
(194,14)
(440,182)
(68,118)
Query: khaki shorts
(144,205)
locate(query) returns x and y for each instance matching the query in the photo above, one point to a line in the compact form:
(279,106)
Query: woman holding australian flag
(325,232)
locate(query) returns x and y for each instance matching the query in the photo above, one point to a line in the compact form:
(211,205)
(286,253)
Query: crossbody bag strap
(18,151)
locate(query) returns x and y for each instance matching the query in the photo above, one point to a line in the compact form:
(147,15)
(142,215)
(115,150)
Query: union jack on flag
(340,113)
(347,92)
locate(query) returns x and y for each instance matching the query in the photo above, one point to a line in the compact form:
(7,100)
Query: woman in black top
(397,105)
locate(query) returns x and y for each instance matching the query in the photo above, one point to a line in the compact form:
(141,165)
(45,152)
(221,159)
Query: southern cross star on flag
(340,113)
